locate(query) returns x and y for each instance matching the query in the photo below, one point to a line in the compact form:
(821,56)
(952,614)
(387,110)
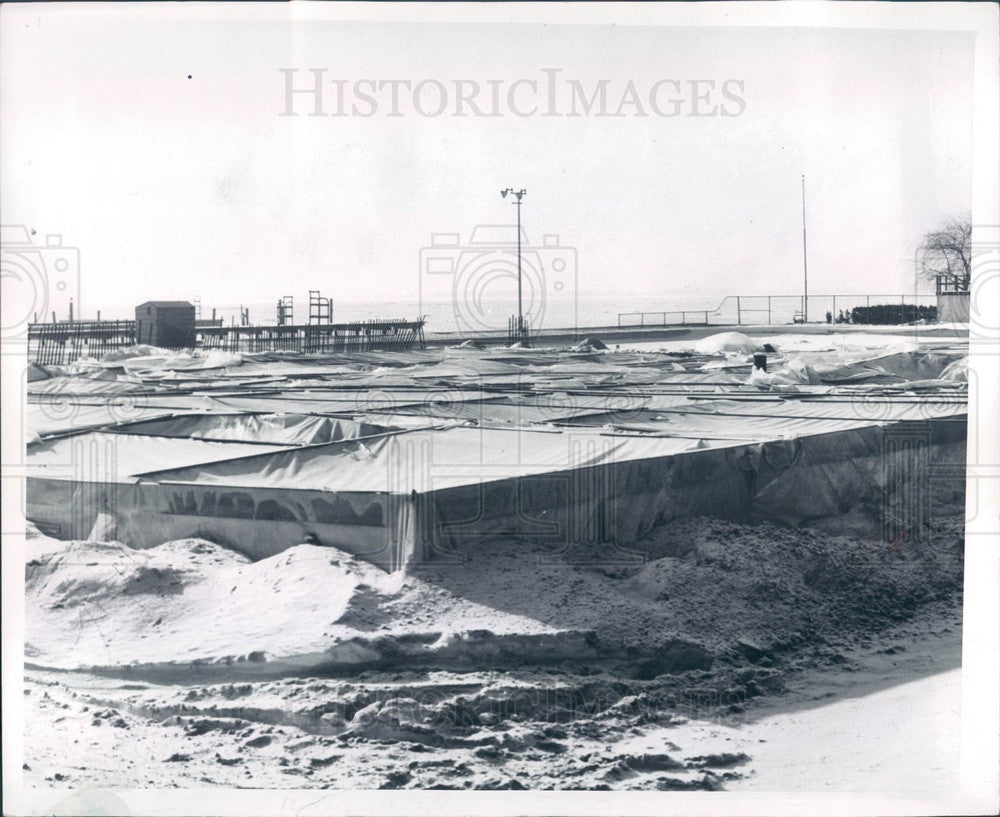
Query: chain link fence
(770,310)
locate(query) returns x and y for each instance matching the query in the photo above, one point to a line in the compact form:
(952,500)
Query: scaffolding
(285,310)
(320,309)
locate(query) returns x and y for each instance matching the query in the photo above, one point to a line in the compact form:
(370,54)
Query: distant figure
(829,317)
(840,317)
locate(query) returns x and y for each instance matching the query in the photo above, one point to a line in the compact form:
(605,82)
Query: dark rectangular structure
(170,324)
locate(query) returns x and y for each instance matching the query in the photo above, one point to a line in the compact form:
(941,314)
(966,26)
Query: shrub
(887,314)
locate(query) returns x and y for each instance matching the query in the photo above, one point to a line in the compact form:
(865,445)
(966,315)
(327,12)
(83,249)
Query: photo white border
(981,633)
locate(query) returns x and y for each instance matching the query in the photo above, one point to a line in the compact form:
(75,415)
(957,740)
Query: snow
(106,604)
(487,729)
(188,602)
(903,739)
(726,343)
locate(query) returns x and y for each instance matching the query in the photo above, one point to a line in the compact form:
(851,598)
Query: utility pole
(518,195)
(805,266)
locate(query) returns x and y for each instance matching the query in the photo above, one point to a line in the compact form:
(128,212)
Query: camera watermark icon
(40,278)
(480,277)
(984,291)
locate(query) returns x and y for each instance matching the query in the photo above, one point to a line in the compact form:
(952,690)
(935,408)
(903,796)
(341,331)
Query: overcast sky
(176,187)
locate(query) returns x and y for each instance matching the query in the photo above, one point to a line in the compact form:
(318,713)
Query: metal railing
(946,285)
(359,336)
(764,310)
(61,343)
(660,318)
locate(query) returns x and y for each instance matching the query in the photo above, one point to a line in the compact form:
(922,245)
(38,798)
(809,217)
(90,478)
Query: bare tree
(947,254)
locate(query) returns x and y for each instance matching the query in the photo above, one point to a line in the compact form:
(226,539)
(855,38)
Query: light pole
(518,195)
(805,267)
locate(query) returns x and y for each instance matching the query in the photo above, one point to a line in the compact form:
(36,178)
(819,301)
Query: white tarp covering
(267,451)
(109,457)
(284,429)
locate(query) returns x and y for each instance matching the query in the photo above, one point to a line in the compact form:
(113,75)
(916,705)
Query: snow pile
(726,343)
(169,362)
(139,350)
(143,358)
(590,344)
(81,367)
(770,584)
(106,604)
(218,359)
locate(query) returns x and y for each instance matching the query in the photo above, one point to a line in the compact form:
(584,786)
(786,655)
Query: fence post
(739,312)
(769,310)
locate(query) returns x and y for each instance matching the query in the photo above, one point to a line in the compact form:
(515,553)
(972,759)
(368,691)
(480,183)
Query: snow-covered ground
(901,739)
(880,340)
(706,668)
(489,729)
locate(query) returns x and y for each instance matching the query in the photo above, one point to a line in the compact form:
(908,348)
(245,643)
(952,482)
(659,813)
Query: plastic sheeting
(875,468)
(36,373)
(45,419)
(285,429)
(865,407)
(307,457)
(714,427)
(895,368)
(112,458)
(462,484)
(498,411)
(63,386)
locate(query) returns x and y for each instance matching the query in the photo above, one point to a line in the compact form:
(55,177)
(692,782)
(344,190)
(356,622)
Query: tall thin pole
(520,308)
(805,265)
(518,195)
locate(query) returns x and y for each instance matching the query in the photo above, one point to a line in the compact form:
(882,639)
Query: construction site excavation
(356,556)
